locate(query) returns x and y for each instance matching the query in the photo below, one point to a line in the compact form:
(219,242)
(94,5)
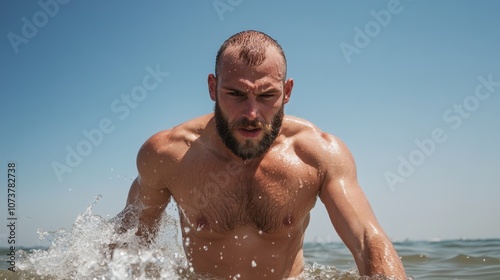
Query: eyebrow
(267,91)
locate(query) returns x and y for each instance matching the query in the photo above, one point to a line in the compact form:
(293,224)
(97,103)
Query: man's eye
(235,93)
(266,96)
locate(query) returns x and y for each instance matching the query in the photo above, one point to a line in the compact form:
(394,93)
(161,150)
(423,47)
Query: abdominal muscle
(246,253)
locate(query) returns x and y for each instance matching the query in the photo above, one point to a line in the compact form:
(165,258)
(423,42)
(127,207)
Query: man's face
(256,138)
(249,103)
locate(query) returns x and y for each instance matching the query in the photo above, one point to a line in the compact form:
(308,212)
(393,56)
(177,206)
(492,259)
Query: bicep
(149,189)
(348,209)
(145,206)
(149,195)
(146,197)
(345,201)
(354,220)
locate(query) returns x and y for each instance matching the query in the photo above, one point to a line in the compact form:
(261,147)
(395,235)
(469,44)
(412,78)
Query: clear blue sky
(378,83)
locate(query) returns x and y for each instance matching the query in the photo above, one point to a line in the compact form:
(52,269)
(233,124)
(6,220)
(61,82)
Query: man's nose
(251,110)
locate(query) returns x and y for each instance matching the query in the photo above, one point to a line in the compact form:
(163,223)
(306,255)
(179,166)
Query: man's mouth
(249,132)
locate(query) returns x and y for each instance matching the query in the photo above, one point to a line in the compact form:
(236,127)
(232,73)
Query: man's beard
(247,149)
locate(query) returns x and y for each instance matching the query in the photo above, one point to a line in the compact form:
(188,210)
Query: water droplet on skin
(260,197)
(260,231)
(154,170)
(254,264)
(245,237)
(187,230)
(236,237)
(272,270)
(161,160)
(205,248)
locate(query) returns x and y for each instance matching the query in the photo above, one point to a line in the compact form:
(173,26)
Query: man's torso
(243,217)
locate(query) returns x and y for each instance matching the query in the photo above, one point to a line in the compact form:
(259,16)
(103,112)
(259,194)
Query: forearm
(149,224)
(127,219)
(144,209)
(378,257)
(144,223)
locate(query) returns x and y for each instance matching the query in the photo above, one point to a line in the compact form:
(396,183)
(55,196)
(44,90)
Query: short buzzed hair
(252,48)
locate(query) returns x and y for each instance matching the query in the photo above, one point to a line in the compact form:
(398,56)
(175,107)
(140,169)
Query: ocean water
(81,253)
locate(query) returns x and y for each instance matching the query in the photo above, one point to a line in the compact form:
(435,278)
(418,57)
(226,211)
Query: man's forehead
(248,85)
(232,56)
(272,66)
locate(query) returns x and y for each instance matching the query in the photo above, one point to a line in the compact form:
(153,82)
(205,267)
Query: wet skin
(247,218)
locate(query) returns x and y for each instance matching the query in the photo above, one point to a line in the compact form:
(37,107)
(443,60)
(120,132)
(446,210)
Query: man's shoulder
(311,140)
(302,130)
(176,139)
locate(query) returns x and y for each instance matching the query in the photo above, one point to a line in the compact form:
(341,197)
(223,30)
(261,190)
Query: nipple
(288,220)
(202,223)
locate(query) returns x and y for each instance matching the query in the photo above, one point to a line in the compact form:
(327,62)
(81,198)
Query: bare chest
(273,196)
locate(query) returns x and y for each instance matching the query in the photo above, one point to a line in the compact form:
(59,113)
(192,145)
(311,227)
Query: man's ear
(288,90)
(212,86)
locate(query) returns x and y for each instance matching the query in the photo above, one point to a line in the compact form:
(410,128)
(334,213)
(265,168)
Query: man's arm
(353,218)
(148,196)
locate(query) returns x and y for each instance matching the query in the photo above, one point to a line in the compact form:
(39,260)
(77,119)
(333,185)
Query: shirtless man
(246,177)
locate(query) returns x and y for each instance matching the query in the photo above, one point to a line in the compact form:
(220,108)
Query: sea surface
(81,253)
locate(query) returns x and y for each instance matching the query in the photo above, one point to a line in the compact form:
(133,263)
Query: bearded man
(246,177)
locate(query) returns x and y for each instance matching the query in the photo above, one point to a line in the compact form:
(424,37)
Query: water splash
(83,252)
